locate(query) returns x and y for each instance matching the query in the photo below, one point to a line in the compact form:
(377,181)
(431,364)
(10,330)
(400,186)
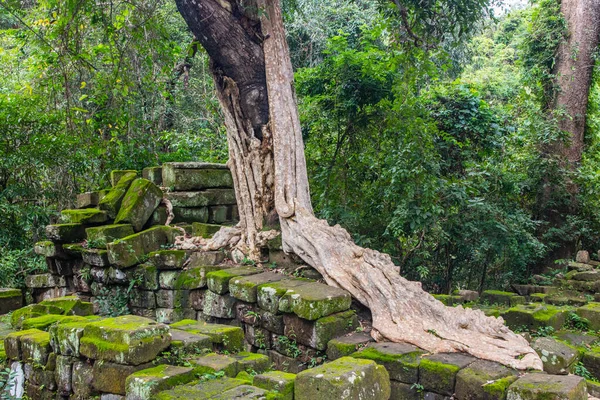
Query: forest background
(433,153)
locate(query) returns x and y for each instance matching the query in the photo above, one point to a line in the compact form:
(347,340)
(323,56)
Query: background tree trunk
(401,310)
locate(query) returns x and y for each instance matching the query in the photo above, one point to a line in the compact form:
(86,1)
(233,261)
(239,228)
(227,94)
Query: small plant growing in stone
(213,376)
(544,331)
(574,321)
(113,303)
(581,370)
(290,346)
(95,244)
(248,261)
(7,383)
(418,387)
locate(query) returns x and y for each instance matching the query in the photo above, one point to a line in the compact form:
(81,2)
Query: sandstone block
(437,373)
(86,216)
(99,236)
(138,204)
(142,385)
(542,387)
(401,360)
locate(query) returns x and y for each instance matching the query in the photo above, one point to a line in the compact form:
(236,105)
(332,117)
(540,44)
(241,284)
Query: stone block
(196,300)
(401,360)
(99,236)
(63,374)
(535,316)
(258,337)
(347,345)
(44,281)
(86,216)
(143,299)
(277,381)
(190,342)
(271,322)
(591,361)
(158,217)
(144,384)
(344,378)
(138,204)
(35,346)
(196,176)
(245,287)
(111,377)
(219,214)
(146,276)
(484,380)
(195,277)
(65,337)
(190,215)
(579,267)
(31,311)
(437,373)
(315,300)
(543,387)
(167,279)
(171,315)
(81,380)
(220,306)
(209,197)
(502,298)
(269,295)
(284,363)
(45,322)
(90,199)
(214,362)
(242,392)
(172,298)
(66,233)
(202,390)
(125,340)
(252,363)
(117,175)
(48,248)
(10,300)
(96,258)
(202,258)
(205,230)
(591,312)
(318,333)
(153,174)
(218,281)
(131,250)
(558,357)
(168,259)
(231,338)
(587,276)
(111,202)
(582,256)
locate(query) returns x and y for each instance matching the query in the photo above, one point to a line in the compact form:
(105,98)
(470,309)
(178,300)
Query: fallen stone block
(209,197)
(65,337)
(277,381)
(202,258)
(344,378)
(243,392)
(195,277)
(284,363)
(251,362)
(99,236)
(158,217)
(125,340)
(317,334)
(138,204)
(587,276)
(111,377)
(111,202)
(65,233)
(582,256)
(579,267)
(219,214)
(196,176)
(315,300)
(231,338)
(558,357)
(153,174)
(96,257)
(90,199)
(214,362)
(535,316)
(131,250)
(35,346)
(86,216)
(10,300)
(142,385)
(542,387)
(484,380)
(347,345)
(218,281)
(401,360)
(437,373)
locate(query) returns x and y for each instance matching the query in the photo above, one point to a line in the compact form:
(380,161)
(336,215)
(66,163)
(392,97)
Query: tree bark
(574,66)
(401,310)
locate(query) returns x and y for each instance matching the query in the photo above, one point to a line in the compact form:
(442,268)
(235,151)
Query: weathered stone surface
(196,300)
(220,306)
(535,316)
(131,250)
(484,380)
(142,299)
(231,338)
(258,337)
(269,294)
(190,342)
(44,322)
(582,256)
(591,361)
(591,312)
(168,259)
(111,202)
(245,287)
(172,298)
(277,381)
(344,378)
(96,257)
(501,298)
(48,248)
(111,377)
(35,346)
(543,387)
(90,199)
(558,357)
(243,392)
(10,300)
(251,362)
(347,345)
(81,380)
(401,360)
(219,214)
(171,315)
(86,216)
(318,333)
(167,279)
(201,258)
(577,339)
(214,362)
(205,230)
(65,233)
(588,276)
(209,197)
(202,390)
(153,174)
(158,217)
(195,277)
(63,374)
(99,236)
(142,385)
(138,204)
(190,215)
(271,322)
(218,281)
(146,276)
(315,300)
(30,311)
(437,373)
(579,267)
(284,363)
(126,340)
(117,175)
(65,337)
(44,281)
(182,177)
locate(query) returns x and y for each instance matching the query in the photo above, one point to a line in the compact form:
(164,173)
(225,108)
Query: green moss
(245,376)
(101,235)
(7,293)
(84,216)
(71,305)
(231,337)
(44,321)
(218,281)
(499,293)
(444,374)
(170,259)
(497,389)
(117,175)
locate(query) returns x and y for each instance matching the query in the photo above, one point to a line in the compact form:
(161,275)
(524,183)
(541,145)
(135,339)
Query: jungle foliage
(423,136)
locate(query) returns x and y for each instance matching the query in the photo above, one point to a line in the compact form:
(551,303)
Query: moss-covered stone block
(71,305)
(171,315)
(401,360)
(344,378)
(484,380)
(277,381)
(31,311)
(86,216)
(111,377)
(48,248)
(142,385)
(65,337)
(499,297)
(209,197)
(12,343)
(171,298)
(35,346)
(268,295)
(218,281)
(81,380)
(168,259)
(347,345)
(317,334)
(205,230)
(138,204)
(196,176)
(544,387)
(190,215)
(65,233)
(158,217)
(200,390)
(535,316)
(437,373)
(315,300)
(117,175)
(591,312)
(99,236)
(214,362)
(142,299)
(231,338)
(90,199)
(245,287)
(252,363)
(558,357)
(132,250)
(591,361)
(10,300)
(195,277)
(167,279)
(245,392)
(111,202)
(45,321)
(190,342)
(218,214)
(153,174)
(219,306)
(125,340)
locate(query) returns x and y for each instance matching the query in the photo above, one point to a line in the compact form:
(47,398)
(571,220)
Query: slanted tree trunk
(254,77)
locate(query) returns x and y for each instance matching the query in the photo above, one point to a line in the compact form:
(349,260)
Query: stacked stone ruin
(204,327)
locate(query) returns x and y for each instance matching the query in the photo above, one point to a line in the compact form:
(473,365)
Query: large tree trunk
(574,66)
(401,310)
